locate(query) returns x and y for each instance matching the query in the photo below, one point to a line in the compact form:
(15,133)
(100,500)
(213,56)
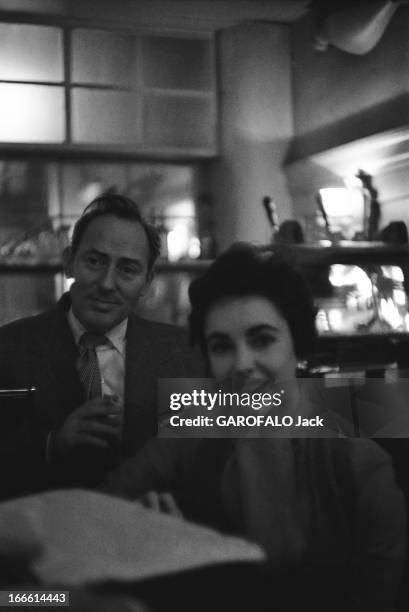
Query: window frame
(137,151)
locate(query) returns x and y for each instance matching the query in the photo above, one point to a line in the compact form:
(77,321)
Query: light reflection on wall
(62,284)
(177,242)
(345,209)
(180,224)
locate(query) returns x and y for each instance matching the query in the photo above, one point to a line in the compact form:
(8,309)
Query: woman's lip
(105,302)
(256,382)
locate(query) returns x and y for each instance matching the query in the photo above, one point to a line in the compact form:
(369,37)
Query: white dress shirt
(111,356)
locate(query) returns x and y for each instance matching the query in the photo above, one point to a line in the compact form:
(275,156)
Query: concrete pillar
(255,129)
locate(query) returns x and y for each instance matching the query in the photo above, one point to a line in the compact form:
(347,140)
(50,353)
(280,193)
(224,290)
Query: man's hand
(96,423)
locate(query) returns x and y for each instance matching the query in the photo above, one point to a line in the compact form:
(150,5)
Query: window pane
(105,116)
(30,53)
(103,58)
(177,63)
(31,113)
(176,121)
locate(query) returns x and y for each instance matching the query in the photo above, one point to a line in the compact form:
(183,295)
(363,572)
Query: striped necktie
(87,363)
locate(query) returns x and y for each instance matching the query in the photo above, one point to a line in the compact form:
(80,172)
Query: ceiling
(173,14)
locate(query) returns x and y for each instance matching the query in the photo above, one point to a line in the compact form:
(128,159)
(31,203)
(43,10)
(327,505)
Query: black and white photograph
(204,305)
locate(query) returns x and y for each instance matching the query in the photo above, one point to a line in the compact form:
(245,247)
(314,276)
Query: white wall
(255,130)
(351,112)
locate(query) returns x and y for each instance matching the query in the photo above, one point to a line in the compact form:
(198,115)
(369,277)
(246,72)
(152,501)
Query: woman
(327,511)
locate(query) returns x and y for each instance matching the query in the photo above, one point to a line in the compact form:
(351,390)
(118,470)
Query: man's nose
(108,278)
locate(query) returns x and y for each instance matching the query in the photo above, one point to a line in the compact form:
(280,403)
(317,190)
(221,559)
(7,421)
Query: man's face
(110,269)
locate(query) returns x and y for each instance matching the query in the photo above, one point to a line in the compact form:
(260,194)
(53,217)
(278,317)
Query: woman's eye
(262,341)
(128,271)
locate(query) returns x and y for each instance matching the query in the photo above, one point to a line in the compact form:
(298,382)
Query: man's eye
(93,261)
(219,348)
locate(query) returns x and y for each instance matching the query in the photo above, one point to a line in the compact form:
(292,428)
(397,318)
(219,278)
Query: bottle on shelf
(271,211)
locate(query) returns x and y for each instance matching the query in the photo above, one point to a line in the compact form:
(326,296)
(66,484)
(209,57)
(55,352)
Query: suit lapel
(54,347)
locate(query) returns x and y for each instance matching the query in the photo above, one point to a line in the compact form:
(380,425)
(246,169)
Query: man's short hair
(124,208)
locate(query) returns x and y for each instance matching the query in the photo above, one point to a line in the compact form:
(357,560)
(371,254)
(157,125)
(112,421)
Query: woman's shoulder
(362,474)
(361,457)
(364,451)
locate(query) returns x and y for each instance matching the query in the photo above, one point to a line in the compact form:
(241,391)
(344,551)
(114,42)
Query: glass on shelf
(41,246)
(365,299)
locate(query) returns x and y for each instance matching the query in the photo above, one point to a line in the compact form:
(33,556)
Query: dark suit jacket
(41,351)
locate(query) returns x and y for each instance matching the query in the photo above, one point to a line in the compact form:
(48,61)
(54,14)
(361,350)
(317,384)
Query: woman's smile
(249,341)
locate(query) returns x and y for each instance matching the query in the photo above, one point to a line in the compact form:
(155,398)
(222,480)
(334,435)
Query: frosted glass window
(176,121)
(30,53)
(177,63)
(31,113)
(103,58)
(105,116)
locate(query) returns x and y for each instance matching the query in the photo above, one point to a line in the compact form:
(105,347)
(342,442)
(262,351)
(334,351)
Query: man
(94,364)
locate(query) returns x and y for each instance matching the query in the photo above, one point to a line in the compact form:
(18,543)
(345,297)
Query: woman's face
(248,340)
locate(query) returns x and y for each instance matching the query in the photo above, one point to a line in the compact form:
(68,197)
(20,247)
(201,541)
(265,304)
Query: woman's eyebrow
(130,260)
(260,327)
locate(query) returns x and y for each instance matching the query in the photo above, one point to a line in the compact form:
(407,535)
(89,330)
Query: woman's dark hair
(124,208)
(242,270)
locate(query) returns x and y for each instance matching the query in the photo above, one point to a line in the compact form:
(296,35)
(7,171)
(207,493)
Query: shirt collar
(116,335)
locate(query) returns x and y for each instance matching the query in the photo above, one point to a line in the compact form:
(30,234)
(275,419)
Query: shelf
(27,268)
(197,265)
(106,151)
